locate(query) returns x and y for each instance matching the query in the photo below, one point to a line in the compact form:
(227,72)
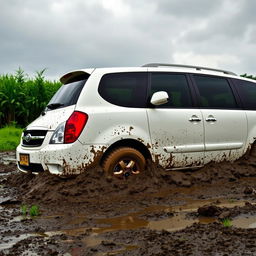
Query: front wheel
(123,162)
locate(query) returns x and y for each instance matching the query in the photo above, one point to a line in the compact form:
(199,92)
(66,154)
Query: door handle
(194,118)
(210,119)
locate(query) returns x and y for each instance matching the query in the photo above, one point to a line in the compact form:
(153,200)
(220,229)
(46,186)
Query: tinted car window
(67,95)
(124,89)
(247,92)
(215,92)
(175,85)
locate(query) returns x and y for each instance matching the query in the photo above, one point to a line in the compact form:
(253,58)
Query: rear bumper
(61,159)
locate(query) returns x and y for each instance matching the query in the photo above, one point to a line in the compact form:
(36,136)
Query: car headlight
(58,135)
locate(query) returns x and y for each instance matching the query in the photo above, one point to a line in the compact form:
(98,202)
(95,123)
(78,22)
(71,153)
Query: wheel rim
(125,168)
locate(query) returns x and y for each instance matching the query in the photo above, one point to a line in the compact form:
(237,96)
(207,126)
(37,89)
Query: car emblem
(28,137)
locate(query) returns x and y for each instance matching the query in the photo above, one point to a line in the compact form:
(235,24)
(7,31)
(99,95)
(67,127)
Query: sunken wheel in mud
(123,162)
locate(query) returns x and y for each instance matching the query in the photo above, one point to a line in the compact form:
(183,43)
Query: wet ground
(210,211)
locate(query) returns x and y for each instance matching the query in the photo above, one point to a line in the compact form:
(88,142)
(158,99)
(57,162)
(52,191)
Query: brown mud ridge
(155,213)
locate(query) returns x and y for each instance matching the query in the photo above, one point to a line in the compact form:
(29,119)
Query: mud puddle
(169,218)
(244,221)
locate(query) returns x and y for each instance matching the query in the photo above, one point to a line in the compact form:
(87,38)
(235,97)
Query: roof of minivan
(156,67)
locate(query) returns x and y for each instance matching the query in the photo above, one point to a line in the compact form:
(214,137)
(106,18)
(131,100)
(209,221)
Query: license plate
(24,159)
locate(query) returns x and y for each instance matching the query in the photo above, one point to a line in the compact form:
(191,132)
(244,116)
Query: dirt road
(211,211)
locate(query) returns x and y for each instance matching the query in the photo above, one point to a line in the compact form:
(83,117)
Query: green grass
(227,223)
(24,210)
(9,138)
(34,211)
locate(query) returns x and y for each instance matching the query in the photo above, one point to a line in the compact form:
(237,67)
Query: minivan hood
(52,119)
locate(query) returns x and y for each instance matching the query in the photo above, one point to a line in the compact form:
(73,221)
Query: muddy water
(160,219)
(244,221)
(176,222)
(94,240)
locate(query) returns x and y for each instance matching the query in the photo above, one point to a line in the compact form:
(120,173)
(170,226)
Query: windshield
(67,95)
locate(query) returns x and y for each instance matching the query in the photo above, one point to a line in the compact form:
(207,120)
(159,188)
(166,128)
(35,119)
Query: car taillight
(74,126)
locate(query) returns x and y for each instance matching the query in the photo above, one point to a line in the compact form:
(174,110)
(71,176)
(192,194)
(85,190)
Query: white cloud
(118,7)
(206,60)
(62,35)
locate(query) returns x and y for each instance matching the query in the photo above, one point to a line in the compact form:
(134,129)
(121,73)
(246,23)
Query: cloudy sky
(62,35)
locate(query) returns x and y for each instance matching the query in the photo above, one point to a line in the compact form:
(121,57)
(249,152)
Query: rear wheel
(124,162)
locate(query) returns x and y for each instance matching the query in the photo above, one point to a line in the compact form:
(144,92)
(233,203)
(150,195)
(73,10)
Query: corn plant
(22,99)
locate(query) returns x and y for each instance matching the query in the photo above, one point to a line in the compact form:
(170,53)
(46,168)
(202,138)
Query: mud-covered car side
(178,117)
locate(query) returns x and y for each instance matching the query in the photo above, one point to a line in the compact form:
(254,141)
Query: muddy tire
(124,162)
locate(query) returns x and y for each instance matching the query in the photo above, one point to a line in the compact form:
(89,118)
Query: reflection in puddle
(192,205)
(121,223)
(177,222)
(244,221)
(94,240)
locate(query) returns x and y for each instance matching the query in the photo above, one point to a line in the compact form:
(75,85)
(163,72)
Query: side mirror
(159,98)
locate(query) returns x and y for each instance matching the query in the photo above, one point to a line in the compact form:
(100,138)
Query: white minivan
(174,115)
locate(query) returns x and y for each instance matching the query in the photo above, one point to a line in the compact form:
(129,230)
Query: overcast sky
(62,35)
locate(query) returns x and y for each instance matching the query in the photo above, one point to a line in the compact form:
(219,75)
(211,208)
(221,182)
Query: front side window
(247,92)
(215,92)
(175,85)
(124,89)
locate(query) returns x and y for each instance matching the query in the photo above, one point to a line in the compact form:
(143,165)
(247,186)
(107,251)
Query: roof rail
(188,66)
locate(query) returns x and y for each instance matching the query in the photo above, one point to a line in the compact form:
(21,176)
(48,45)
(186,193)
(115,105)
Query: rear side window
(124,89)
(67,95)
(175,85)
(215,92)
(247,92)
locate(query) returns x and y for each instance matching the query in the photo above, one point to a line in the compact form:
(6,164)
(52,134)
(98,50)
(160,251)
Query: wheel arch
(128,143)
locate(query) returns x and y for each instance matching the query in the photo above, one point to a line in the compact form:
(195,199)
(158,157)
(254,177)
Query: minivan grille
(33,138)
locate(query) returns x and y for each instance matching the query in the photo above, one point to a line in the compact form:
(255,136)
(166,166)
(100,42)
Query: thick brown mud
(209,211)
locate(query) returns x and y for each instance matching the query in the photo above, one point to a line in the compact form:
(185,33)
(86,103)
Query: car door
(225,123)
(176,127)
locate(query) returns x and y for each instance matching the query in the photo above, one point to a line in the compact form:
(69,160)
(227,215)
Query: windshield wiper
(54,105)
